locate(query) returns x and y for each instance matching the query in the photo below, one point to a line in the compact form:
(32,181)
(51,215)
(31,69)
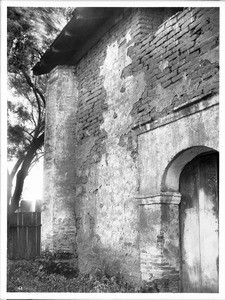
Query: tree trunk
(9,189)
(10,177)
(22,173)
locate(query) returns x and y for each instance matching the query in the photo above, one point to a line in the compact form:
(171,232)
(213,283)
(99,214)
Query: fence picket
(24,235)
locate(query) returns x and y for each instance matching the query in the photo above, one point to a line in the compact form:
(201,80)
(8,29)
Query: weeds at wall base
(49,273)
(57,272)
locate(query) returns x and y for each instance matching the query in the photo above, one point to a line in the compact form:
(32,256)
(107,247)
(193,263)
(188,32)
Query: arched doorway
(199,224)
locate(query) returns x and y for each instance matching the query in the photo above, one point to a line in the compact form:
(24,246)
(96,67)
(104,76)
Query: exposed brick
(176,78)
(176,29)
(172,45)
(161,41)
(172,61)
(182,32)
(173,56)
(186,46)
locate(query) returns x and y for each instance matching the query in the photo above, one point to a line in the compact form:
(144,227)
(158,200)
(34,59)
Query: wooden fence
(24,235)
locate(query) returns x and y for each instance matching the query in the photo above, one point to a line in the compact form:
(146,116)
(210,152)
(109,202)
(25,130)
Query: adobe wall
(107,214)
(58,217)
(176,120)
(136,74)
(182,139)
(181,63)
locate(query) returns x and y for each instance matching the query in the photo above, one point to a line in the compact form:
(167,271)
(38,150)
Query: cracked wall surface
(181,62)
(108,212)
(138,73)
(58,231)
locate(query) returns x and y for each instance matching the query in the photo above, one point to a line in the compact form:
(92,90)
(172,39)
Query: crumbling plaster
(112,183)
(61,109)
(182,138)
(199,129)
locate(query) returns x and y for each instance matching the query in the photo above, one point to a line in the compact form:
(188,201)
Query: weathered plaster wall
(58,230)
(106,207)
(102,164)
(198,129)
(159,245)
(107,211)
(184,134)
(137,74)
(177,111)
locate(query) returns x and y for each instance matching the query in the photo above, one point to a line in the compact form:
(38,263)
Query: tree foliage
(30,31)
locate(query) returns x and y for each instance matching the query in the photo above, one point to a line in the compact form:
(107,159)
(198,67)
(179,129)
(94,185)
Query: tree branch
(16,166)
(30,83)
(29,133)
(11,176)
(38,156)
(41,95)
(22,173)
(33,86)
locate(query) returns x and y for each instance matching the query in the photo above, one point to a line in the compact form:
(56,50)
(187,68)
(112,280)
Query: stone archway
(170,178)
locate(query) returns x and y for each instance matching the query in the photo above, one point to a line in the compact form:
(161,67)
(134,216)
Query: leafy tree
(29,32)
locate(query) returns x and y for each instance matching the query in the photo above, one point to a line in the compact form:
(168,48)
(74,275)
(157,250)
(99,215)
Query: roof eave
(84,30)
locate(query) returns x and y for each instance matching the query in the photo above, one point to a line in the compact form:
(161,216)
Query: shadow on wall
(170,180)
(124,264)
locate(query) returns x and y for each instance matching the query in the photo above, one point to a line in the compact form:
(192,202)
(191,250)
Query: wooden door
(199,225)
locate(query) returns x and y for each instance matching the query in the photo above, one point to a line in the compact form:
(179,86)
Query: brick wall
(106,211)
(139,71)
(92,94)
(181,62)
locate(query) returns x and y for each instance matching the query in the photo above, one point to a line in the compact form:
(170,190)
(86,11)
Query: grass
(55,273)
(51,275)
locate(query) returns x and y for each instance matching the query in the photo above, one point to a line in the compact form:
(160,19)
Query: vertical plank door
(199,225)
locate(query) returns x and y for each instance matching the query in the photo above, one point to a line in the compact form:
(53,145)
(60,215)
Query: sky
(33,188)
(33,185)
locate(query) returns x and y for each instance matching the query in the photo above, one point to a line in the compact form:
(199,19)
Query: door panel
(199,225)
(208,215)
(190,264)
